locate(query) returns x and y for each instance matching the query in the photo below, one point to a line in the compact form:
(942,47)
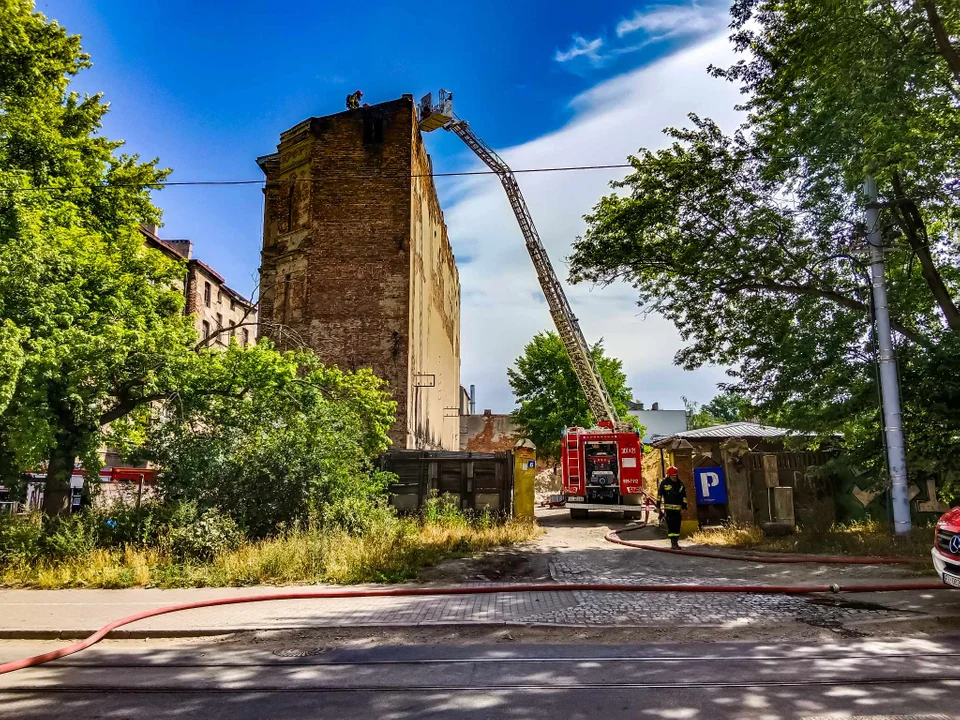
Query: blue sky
(208,86)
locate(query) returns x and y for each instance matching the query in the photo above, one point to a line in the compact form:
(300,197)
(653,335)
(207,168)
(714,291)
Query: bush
(358,515)
(125,524)
(21,539)
(296,439)
(71,535)
(200,536)
(443,510)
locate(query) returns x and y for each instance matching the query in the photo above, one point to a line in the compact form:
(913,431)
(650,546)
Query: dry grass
(867,538)
(396,553)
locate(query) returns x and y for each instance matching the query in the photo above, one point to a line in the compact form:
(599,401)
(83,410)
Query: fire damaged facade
(357,265)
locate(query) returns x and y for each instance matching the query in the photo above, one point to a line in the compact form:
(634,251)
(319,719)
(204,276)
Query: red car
(946,548)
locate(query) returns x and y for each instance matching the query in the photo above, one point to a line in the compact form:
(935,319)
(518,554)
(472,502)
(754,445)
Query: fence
(473,480)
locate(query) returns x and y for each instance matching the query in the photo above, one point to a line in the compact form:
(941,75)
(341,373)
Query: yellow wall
(433,416)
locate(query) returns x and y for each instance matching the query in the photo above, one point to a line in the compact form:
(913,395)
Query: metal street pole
(889,385)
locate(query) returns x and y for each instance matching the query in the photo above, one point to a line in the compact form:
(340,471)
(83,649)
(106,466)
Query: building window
(246,337)
(206,294)
(219,328)
(233,304)
(206,329)
(219,297)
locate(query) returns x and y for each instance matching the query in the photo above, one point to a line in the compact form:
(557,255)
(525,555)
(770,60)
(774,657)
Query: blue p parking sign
(711,485)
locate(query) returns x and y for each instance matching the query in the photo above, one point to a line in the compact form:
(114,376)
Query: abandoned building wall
(488,432)
(434,315)
(337,262)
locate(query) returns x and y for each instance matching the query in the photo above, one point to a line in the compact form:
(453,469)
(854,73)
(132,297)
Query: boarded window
(206,294)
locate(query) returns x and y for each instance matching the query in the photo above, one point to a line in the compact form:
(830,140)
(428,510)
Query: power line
(387,174)
(191,183)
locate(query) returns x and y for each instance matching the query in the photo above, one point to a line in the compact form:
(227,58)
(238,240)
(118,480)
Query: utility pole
(889,384)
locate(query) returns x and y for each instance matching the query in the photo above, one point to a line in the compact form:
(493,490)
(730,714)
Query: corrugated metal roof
(735,430)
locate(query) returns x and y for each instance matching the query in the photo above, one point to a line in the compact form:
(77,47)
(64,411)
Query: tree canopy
(549,394)
(753,244)
(93,322)
(726,407)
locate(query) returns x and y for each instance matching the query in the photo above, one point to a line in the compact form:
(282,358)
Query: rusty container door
(473,481)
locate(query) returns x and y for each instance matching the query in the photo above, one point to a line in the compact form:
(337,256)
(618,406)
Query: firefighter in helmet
(353,100)
(671,502)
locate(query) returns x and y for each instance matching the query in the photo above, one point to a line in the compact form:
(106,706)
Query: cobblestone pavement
(80,612)
(577,553)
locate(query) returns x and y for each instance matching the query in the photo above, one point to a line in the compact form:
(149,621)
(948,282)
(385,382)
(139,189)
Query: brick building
(221,312)
(357,265)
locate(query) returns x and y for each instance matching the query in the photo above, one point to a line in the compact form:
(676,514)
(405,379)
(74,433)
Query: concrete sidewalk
(77,613)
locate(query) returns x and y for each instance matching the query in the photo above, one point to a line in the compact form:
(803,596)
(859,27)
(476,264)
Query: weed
(394,551)
(866,537)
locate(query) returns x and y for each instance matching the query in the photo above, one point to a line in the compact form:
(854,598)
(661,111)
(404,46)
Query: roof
(158,244)
(173,252)
(736,430)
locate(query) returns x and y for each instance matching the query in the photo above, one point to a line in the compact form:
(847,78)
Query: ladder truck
(601,466)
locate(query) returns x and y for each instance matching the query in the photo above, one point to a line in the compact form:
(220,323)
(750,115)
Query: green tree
(273,439)
(549,395)
(726,407)
(753,243)
(93,325)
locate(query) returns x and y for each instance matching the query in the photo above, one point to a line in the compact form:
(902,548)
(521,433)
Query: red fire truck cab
(601,470)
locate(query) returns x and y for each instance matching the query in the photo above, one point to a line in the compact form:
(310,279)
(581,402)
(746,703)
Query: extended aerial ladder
(601,405)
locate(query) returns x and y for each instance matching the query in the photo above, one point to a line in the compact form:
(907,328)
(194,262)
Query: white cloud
(499,310)
(663,21)
(581,47)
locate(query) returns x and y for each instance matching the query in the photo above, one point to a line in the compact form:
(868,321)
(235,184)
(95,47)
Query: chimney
(655,406)
(151,228)
(473,399)
(184,247)
(487,411)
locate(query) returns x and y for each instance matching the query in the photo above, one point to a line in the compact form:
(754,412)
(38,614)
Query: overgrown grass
(868,538)
(393,552)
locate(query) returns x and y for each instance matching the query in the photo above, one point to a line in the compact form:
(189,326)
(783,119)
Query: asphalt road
(917,677)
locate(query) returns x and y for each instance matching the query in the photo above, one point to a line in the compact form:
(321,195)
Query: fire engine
(601,465)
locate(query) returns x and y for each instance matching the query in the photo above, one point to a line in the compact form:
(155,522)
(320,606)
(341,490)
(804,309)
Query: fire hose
(456,590)
(515,588)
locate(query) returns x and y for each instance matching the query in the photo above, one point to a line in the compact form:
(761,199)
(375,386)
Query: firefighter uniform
(353,100)
(672,501)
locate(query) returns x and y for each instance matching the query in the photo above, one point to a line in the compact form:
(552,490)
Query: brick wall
(488,433)
(356,263)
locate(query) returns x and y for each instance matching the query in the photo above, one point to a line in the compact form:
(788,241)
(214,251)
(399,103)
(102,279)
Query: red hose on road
(456,590)
(613,536)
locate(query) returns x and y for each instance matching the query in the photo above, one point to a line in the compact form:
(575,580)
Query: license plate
(951,580)
(574,498)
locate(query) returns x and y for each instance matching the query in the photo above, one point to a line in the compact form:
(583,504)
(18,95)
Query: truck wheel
(578,514)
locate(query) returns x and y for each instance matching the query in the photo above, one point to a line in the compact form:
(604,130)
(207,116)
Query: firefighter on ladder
(671,502)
